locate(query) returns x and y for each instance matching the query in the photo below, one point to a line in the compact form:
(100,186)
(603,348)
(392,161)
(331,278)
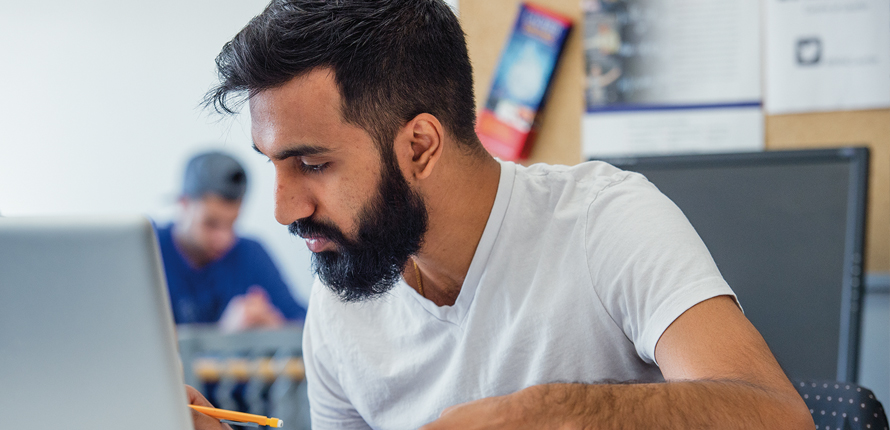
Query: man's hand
(251,310)
(201,421)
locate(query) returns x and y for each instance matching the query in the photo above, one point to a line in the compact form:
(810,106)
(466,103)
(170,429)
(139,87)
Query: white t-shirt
(578,273)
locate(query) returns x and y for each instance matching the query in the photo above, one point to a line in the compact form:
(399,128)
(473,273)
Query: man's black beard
(390,230)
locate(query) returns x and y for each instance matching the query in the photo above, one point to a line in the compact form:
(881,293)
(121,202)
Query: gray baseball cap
(214,172)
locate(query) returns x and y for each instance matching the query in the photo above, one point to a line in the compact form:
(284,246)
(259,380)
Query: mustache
(308,228)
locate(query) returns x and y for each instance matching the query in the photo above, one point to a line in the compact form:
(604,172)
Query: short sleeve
(328,404)
(646,262)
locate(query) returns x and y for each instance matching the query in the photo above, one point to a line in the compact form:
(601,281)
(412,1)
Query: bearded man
(458,291)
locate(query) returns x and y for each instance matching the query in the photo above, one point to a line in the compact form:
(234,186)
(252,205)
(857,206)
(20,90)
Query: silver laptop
(86,334)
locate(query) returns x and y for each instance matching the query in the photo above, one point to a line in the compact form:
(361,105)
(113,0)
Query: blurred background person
(215,276)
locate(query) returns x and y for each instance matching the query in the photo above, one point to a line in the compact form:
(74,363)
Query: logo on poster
(809,51)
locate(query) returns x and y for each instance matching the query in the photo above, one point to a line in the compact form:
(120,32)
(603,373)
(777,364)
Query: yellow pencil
(238,416)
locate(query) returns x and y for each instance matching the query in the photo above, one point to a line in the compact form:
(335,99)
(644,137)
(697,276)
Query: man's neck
(459,204)
(192,254)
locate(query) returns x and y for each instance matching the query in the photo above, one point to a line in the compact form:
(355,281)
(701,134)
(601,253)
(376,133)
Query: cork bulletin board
(487,24)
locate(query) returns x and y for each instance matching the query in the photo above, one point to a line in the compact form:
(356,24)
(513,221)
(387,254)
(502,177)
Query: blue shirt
(201,295)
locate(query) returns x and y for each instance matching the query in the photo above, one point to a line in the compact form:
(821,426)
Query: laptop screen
(86,333)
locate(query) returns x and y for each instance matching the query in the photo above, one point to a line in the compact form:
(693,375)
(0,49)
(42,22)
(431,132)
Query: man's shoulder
(249,242)
(552,206)
(162,230)
(588,177)
(164,233)
(568,188)
(585,170)
(249,246)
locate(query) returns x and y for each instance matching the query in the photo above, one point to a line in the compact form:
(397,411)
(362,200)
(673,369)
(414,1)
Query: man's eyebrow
(299,151)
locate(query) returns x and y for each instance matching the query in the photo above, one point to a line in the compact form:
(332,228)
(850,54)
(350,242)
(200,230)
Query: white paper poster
(674,131)
(669,76)
(825,55)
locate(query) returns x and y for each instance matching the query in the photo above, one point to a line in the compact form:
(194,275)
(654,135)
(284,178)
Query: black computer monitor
(786,230)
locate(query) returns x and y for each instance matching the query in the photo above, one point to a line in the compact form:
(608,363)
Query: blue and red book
(506,126)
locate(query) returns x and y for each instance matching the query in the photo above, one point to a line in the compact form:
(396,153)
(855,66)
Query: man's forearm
(674,405)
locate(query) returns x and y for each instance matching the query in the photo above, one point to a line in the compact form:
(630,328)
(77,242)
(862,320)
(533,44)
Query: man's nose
(293,200)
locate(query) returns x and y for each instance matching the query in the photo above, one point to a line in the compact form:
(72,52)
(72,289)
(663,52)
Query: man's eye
(313,168)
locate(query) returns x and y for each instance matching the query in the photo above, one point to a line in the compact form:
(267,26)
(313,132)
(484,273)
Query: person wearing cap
(215,276)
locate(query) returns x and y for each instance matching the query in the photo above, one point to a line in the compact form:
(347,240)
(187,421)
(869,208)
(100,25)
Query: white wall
(100,111)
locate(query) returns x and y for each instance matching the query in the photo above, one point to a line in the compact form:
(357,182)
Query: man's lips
(317,243)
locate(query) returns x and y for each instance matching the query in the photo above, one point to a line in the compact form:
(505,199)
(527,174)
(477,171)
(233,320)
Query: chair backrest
(257,371)
(799,218)
(842,406)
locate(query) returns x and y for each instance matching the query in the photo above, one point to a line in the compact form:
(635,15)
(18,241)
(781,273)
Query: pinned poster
(671,76)
(507,123)
(827,55)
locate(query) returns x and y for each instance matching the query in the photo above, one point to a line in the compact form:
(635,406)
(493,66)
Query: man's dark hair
(392,60)
(216,173)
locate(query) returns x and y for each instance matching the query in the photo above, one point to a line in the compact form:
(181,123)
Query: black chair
(842,406)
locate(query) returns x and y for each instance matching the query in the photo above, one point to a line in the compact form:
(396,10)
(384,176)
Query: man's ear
(421,141)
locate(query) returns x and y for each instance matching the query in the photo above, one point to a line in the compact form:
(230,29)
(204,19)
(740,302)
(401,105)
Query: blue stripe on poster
(644,107)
